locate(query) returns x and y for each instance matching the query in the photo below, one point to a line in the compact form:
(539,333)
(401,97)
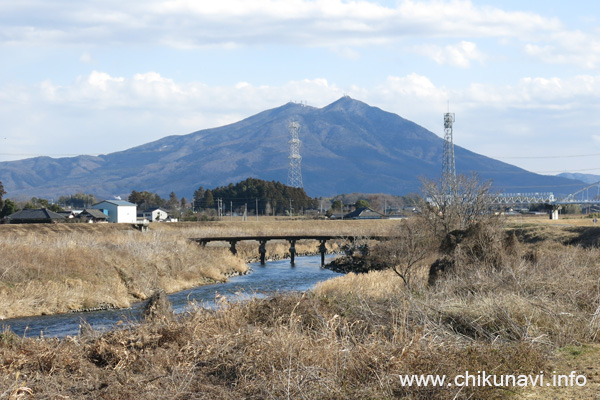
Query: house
(67,214)
(35,216)
(364,213)
(154,214)
(119,211)
(91,215)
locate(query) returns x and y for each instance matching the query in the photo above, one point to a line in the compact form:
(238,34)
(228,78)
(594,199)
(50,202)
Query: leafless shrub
(456,203)
(409,245)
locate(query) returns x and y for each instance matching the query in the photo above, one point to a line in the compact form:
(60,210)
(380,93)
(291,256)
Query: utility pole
(231,210)
(257,209)
(291,209)
(220,208)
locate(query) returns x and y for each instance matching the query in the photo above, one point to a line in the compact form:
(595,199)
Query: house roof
(35,214)
(93,212)
(115,202)
(154,209)
(364,212)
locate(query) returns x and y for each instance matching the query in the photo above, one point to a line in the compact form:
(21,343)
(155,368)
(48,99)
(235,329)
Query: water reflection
(275,276)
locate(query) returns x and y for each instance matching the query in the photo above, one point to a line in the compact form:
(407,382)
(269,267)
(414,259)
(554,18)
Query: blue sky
(98,76)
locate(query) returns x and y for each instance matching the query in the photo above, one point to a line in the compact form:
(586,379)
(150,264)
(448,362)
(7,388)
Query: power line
(545,157)
(47,155)
(570,171)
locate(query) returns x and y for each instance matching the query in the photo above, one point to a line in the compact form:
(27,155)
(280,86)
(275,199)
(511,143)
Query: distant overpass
(523,198)
(589,195)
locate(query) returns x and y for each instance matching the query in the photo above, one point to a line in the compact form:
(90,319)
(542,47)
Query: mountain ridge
(347,146)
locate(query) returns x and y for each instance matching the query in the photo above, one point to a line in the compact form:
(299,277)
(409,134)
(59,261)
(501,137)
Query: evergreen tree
(145,200)
(77,200)
(274,196)
(9,207)
(208,200)
(198,198)
(173,202)
(362,204)
(2,193)
(336,206)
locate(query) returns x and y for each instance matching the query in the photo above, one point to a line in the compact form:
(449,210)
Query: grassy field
(55,268)
(522,306)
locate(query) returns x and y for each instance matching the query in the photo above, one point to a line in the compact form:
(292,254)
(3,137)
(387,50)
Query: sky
(98,76)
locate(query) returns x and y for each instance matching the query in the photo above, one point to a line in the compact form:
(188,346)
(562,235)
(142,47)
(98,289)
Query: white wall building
(155,214)
(119,211)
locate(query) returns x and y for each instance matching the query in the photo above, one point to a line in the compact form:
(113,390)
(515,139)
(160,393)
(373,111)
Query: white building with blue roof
(119,211)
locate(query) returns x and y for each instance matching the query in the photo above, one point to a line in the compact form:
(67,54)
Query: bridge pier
(292,251)
(554,212)
(292,239)
(262,249)
(232,248)
(323,250)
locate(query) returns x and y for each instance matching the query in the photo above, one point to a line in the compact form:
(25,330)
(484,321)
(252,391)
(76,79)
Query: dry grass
(351,337)
(54,268)
(58,269)
(294,346)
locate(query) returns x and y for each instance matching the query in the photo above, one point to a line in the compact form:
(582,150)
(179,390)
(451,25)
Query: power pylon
(448,166)
(294,170)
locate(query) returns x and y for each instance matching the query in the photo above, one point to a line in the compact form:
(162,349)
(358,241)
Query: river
(275,276)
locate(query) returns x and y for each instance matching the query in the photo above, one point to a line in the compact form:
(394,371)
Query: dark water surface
(275,276)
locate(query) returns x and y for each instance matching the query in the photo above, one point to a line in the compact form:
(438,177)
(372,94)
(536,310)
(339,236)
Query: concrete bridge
(292,239)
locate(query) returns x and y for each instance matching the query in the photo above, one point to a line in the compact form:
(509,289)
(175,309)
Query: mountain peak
(347,146)
(347,102)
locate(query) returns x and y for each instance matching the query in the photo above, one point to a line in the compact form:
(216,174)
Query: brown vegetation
(509,302)
(46,269)
(54,268)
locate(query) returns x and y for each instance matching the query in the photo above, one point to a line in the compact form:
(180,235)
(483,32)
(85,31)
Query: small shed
(119,211)
(155,214)
(91,216)
(35,216)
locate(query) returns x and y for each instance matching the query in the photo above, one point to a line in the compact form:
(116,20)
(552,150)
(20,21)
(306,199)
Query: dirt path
(584,360)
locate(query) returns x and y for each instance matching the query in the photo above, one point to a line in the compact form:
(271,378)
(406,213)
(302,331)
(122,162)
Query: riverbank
(530,308)
(51,269)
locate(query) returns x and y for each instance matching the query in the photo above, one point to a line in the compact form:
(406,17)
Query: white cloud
(125,111)
(152,91)
(574,48)
(459,55)
(190,23)
(343,27)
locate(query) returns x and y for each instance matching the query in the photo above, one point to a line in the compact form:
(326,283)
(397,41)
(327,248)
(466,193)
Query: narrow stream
(275,276)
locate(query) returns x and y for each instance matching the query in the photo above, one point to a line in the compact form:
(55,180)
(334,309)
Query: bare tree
(408,246)
(456,203)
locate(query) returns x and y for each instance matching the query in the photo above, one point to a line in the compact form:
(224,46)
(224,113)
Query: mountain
(347,146)
(586,178)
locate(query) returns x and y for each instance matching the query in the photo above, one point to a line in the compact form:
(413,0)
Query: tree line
(270,197)
(251,195)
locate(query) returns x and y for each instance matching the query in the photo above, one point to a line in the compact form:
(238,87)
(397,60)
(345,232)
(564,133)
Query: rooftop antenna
(294,170)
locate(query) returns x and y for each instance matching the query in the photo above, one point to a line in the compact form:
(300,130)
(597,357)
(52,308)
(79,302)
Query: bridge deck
(263,239)
(283,237)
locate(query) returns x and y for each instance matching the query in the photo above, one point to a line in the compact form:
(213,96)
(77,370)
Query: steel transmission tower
(448,167)
(294,170)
